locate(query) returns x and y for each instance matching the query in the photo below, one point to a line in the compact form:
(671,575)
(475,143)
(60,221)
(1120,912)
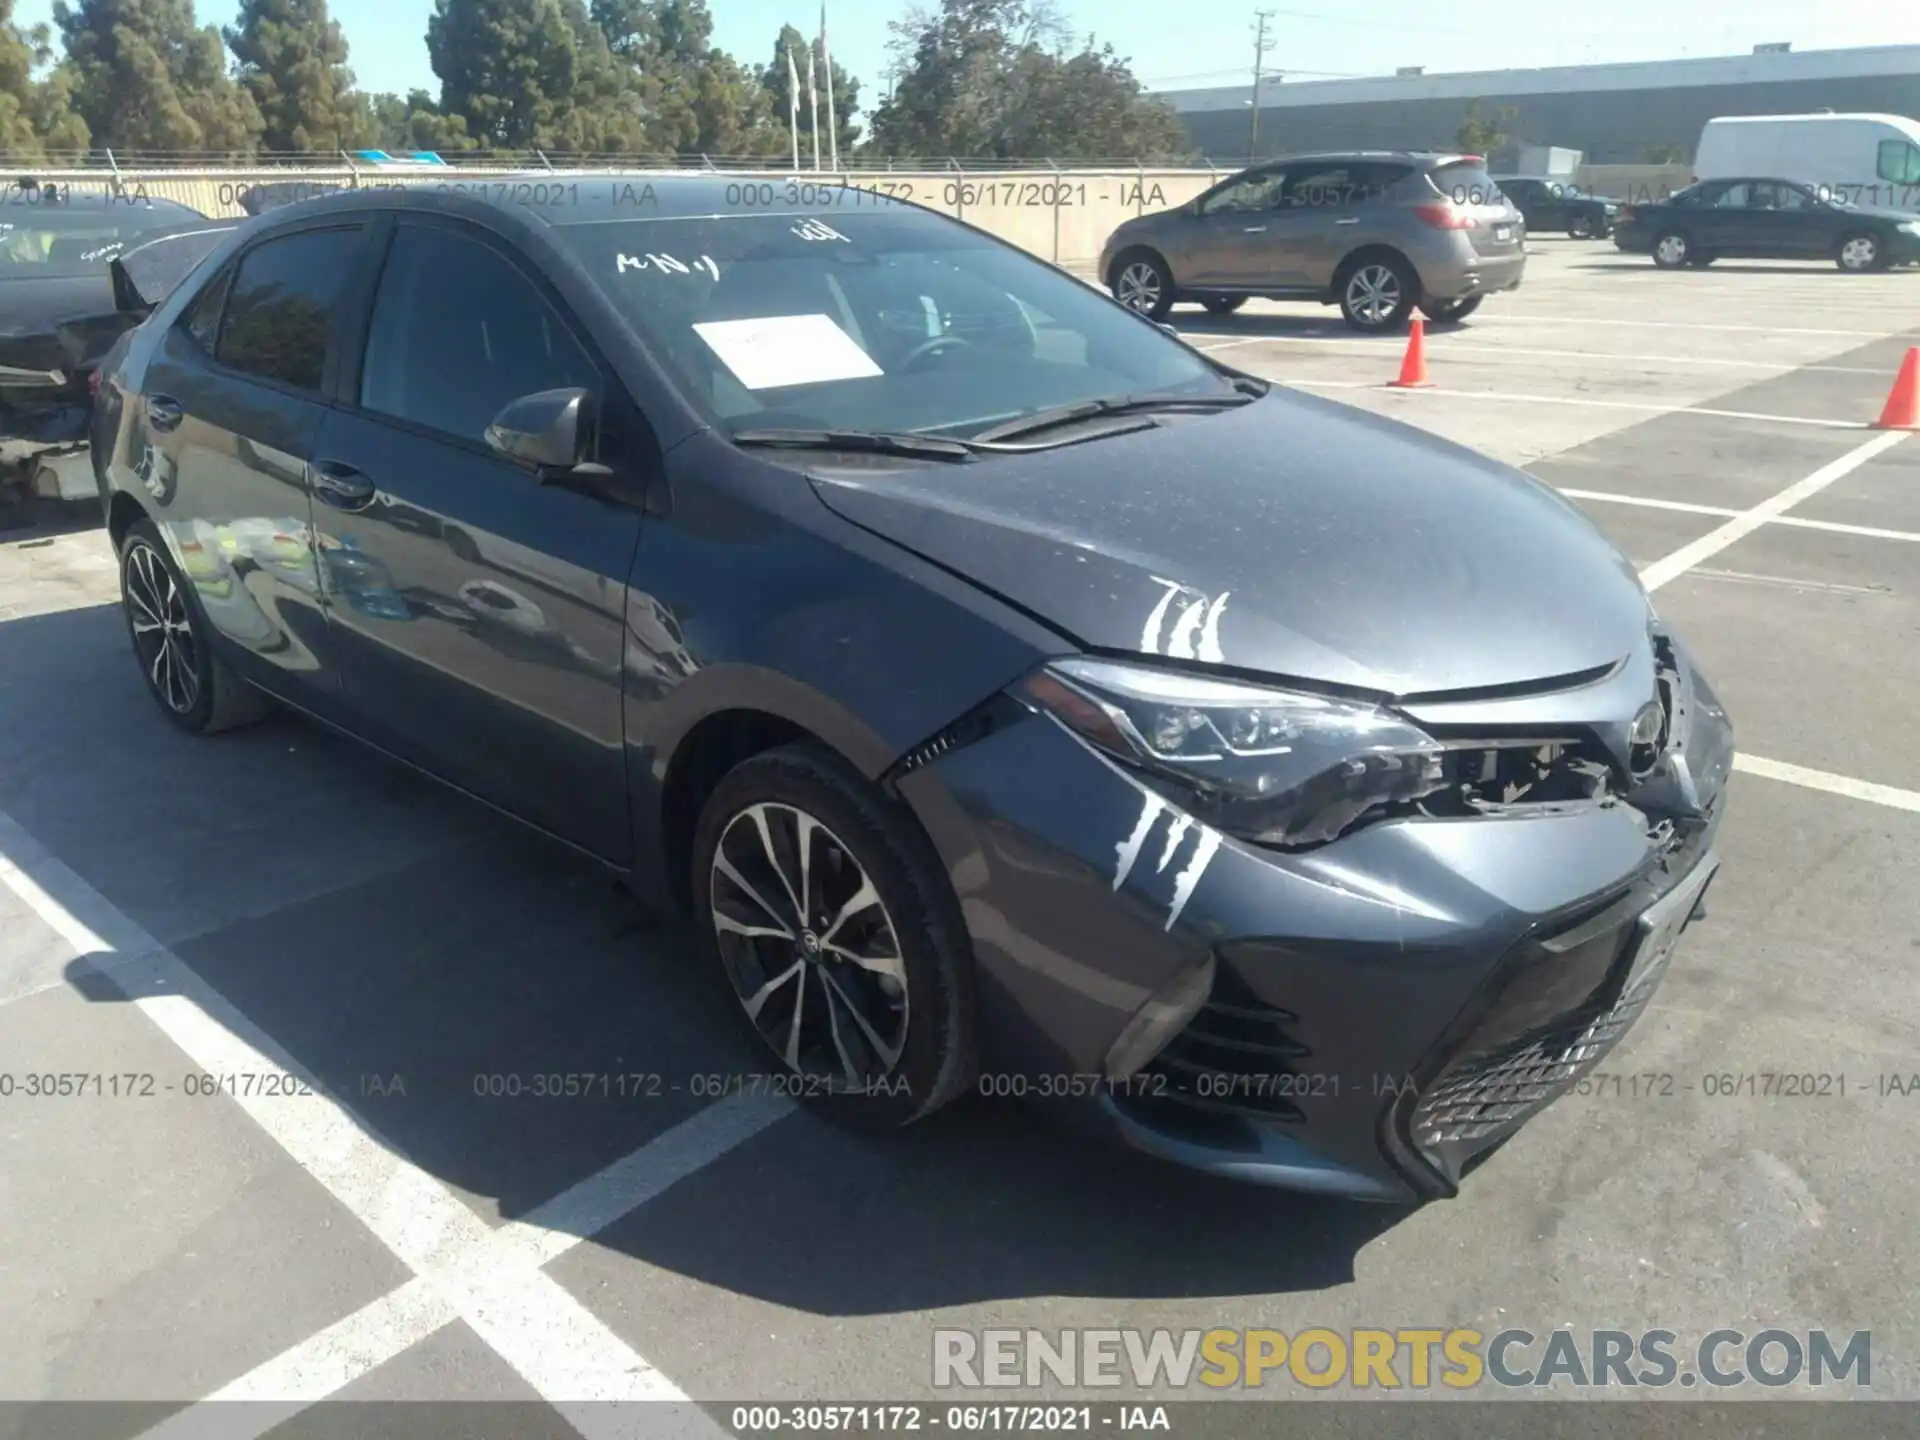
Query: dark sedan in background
(59,316)
(1766,219)
(1550,205)
(1017,699)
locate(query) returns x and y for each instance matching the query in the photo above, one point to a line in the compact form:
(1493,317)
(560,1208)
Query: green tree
(146,76)
(1481,131)
(778,82)
(1000,79)
(413,122)
(508,67)
(36,116)
(692,97)
(293,62)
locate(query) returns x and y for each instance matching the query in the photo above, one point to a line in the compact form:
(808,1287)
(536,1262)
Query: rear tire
(1377,293)
(1672,250)
(193,685)
(885,1033)
(1451,312)
(1223,304)
(1143,283)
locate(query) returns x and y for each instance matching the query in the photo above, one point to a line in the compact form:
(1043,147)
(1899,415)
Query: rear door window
(1466,182)
(280,309)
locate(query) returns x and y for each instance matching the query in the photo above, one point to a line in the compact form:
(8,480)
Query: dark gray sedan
(1017,700)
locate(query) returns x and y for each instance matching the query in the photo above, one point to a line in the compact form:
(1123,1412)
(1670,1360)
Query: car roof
(1411,156)
(558,199)
(86,201)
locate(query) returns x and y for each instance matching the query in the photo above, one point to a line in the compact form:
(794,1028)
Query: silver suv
(1374,232)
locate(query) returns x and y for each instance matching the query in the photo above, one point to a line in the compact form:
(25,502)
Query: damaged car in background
(62,308)
(1018,700)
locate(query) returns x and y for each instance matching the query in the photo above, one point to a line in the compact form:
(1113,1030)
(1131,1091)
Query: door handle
(1349,220)
(340,486)
(164,412)
(1256,230)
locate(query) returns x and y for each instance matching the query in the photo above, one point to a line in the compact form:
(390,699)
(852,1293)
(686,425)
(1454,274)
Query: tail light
(1627,212)
(1443,216)
(93,384)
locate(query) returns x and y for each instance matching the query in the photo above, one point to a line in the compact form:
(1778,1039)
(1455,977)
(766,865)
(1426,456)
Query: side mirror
(546,431)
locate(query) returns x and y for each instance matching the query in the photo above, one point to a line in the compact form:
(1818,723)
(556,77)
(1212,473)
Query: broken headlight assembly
(1277,767)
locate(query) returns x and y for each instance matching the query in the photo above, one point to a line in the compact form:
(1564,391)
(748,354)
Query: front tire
(1452,311)
(1580,227)
(1377,294)
(1860,253)
(1672,250)
(1142,283)
(194,687)
(825,908)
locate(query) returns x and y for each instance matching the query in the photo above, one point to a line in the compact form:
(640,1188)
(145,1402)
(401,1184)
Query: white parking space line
(1648,503)
(1508,317)
(490,1281)
(1789,582)
(1798,522)
(1745,523)
(1645,406)
(1826,780)
(1440,346)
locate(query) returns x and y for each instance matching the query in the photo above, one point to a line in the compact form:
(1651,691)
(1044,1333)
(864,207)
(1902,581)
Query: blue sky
(1212,44)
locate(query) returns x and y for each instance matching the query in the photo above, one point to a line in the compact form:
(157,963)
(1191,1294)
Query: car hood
(1294,537)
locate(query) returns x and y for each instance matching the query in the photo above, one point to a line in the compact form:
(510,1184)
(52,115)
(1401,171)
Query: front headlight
(1278,767)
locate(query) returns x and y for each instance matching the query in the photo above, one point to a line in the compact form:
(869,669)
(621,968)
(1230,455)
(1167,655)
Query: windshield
(881,321)
(67,237)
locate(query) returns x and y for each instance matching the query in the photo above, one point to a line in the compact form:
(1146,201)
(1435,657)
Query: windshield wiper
(1112,405)
(870,442)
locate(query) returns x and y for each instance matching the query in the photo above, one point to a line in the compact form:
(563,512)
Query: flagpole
(793,105)
(826,64)
(813,102)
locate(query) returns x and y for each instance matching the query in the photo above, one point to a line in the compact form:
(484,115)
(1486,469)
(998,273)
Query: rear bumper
(1482,275)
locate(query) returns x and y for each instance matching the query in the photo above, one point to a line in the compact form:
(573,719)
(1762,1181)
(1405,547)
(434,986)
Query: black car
(1558,205)
(1766,219)
(1018,699)
(58,318)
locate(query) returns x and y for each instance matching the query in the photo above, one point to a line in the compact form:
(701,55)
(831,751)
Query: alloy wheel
(162,629)
(1139,287)
(809,947)
(1373,293)
(1859,253)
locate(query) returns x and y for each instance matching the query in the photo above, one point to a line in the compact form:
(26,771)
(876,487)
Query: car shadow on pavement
(433,966)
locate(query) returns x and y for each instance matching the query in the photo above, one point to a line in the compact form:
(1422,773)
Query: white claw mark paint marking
(1129,849)
(1190,877)
(1181,826)
(1195,634)
(1176,832)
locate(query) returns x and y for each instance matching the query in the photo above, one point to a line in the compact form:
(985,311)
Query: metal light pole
(1261,44)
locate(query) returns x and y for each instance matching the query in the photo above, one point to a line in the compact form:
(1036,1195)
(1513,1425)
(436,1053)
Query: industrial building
(1628,114)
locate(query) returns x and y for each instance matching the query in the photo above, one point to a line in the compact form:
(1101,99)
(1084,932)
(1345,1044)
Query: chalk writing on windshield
(666,264)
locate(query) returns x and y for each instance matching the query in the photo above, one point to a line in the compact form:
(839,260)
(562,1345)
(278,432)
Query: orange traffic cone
(1902,411)
(1413,368)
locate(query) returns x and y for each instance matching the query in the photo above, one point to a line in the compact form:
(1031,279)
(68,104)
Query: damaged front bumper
(1368,1018)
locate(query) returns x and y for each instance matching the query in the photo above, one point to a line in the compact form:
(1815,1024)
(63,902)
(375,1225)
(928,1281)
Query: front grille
(1485,1096)
(1237,1058)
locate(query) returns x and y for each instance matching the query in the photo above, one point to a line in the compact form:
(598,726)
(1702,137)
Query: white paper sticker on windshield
(781,350)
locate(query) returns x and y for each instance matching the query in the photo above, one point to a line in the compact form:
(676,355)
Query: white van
(1868,160)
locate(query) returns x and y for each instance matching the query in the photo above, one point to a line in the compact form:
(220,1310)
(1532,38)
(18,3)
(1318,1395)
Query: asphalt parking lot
(275,902)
